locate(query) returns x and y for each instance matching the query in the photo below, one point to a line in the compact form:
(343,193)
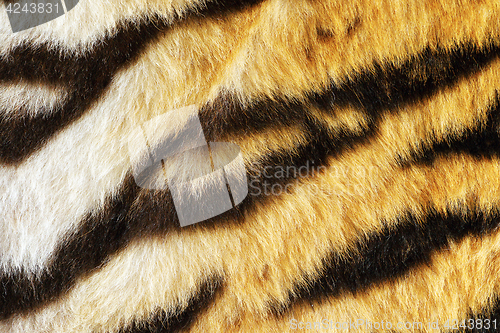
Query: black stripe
(153,212)
(163,322)
(384,88)
(103,234)
(388,87)
(390,254)
(86,76)
(134,214)
(480,142)
(380,88)
(377,92)
(50,64)
(98,237)
(139,213)
(488,320)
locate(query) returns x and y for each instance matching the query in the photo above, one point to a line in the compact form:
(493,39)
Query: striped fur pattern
(370,132)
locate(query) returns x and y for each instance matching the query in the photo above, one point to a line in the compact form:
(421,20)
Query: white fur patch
(89,22)
(44,199)
(28,99)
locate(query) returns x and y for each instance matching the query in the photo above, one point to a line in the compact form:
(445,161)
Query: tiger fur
(389,107)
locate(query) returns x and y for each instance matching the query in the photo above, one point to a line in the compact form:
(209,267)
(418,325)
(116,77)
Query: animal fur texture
(371,141)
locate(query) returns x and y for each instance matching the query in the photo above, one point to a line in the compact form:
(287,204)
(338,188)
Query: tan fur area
(426,296)
(274,50)
(294,60)
(259,267)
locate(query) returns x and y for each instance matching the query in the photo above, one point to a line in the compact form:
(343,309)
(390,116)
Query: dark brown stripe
(51,64)
(134,214)
(488,321)
(98,237)
(85,76)
(480,142)
(390,254)
(139,213)
(381,88)
(163,322)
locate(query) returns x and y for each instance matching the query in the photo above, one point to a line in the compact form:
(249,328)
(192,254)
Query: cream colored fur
(272,49)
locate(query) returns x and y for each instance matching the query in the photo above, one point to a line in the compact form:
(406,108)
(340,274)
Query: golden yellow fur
(281,50)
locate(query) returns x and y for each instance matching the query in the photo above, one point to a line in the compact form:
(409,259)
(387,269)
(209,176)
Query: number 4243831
(32,8)
(471,324)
